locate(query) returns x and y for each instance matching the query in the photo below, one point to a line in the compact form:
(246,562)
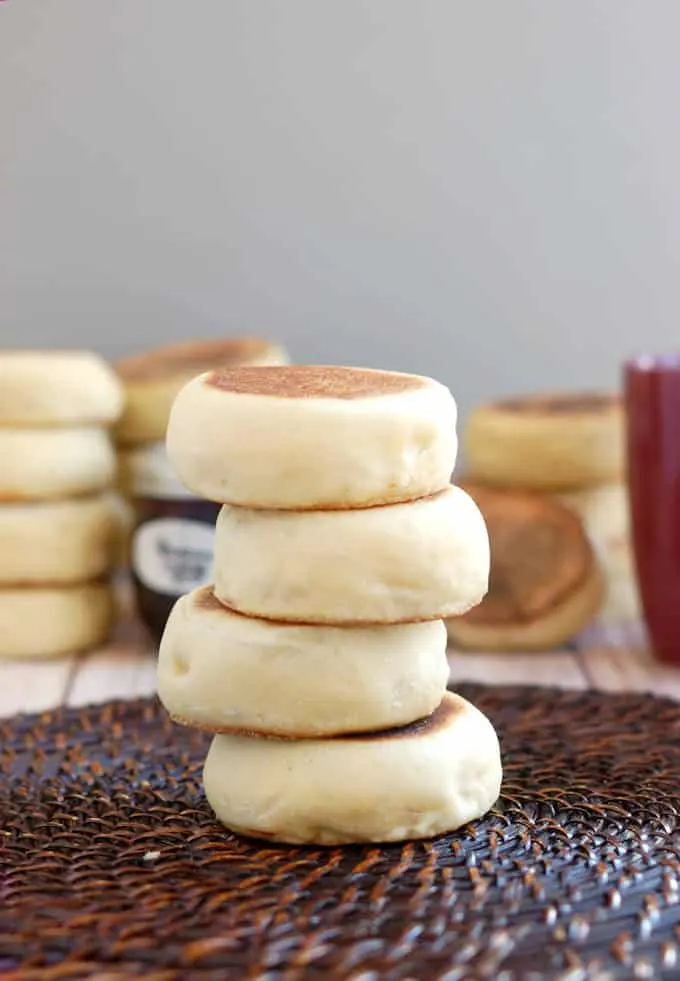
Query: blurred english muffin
(58,542)
(153,378)
(604,512)
(313,437)
(545,584)
(49,621)
(42,464)
(551,442)
(57,388)
(415,782)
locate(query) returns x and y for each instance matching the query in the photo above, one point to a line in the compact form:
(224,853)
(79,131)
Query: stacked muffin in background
(151,381)
(605,513)
(318,657)
(549,474)
(169,537)
(58,521)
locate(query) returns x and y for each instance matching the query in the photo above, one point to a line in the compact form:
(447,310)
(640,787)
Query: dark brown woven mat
(111,865)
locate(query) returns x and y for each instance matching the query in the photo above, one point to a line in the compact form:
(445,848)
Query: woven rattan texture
(111,865)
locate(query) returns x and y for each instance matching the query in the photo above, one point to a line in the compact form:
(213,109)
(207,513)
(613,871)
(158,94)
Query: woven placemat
(112,866)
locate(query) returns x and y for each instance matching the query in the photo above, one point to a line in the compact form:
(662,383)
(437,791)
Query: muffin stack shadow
(318,656)
(58,520)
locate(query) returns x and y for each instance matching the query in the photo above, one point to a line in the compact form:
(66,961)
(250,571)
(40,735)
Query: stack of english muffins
(318,656)
(58,521)
(548,472)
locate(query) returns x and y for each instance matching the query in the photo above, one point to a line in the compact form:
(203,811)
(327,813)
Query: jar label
(173,555)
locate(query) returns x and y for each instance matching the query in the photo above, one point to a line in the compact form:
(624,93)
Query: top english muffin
(312,437)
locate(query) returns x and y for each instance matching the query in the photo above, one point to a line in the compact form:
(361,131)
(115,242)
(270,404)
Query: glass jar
(171,550)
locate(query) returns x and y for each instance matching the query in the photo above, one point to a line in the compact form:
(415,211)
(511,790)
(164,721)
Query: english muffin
(424,560)
(414,782)
(224,672)
(50,621)
(58,542)
(552,442)
(57,388)
(545,583)
(312,437)
(42,464)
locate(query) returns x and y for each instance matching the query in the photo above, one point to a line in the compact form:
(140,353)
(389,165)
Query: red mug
(652,403)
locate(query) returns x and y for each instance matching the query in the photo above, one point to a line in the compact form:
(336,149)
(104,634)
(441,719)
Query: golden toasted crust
(191,357)
(440,719)
(313,381)
(205,599)
(101,580)
(368,505)
(341,506)
(546,633)
(561,403)
(540,555)
(442,615)
(11,497)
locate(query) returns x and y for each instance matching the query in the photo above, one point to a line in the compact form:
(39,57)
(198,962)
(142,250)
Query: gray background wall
(483,190)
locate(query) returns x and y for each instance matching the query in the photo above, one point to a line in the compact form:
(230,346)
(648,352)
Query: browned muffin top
(192,357)
(540,555)
(561,403)
(313,381)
